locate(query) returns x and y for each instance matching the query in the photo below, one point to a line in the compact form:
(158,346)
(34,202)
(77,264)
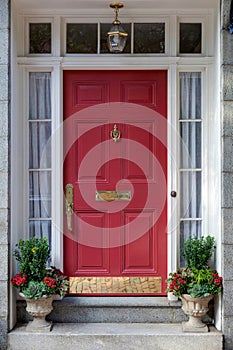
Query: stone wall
(4,167)
(227,173)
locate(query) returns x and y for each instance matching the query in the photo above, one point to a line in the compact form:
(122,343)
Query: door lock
(173,194)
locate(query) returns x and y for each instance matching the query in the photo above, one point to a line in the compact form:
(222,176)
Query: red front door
(115,157)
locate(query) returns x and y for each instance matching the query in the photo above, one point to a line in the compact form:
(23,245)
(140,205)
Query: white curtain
(39,96)
(39,174)
(190,154)
(190,95)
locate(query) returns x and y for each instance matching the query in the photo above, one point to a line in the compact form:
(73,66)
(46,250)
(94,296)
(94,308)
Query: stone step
(114,336)
(112,309)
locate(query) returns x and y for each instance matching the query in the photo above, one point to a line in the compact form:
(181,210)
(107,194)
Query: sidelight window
(190,126)
(39,166)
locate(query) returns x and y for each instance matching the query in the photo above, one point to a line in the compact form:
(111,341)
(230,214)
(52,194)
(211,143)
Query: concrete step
(112,309)
(114,336)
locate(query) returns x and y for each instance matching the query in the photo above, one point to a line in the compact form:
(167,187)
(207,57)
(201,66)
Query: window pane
(149,37)
(40,38)
(190,37)
(39,194)
(190,194)
(105,28)
(190,95)
(81,38)
(190,148)
(40,229)
(39,147)
(39,95)
(189,229)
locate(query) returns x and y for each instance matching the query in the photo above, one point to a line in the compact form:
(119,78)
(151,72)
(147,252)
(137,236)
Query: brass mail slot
(110,196)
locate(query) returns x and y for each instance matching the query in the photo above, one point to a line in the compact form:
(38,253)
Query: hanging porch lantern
(117,37)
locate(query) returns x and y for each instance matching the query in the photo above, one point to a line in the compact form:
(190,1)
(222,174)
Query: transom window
(190,38)
(91,38)
(40,38)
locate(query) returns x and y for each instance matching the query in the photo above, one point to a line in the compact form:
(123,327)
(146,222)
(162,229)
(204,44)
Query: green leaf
(197,252)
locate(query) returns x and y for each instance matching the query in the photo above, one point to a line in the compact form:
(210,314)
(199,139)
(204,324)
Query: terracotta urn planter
(39,309)
(195,308)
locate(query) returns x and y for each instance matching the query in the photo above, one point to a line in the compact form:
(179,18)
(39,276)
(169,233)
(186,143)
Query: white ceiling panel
(104,4)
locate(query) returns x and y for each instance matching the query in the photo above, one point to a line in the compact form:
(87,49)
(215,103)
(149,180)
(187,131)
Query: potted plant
(37,283)
(196,283)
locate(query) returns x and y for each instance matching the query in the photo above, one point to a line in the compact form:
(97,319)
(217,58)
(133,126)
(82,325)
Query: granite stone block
(115,336)
(4,262)
(227,190)
(3,154)
(228,83)
(225,9)
(4,299)
(227,154)
(227,125)
(227,331)
(227,47)
(228,263)
(4,33)
(3,119)
(4,14)
(3,333)
(4,190)
(228,297)
(4,83)
(3,226)
(112,310)
(227,221)
(122,315)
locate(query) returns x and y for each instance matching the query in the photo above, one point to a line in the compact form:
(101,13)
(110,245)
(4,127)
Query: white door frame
(22,64)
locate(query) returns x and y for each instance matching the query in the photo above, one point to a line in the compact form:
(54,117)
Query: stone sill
(119,302)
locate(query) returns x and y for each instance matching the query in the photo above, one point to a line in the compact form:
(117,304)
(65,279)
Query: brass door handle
(69,205)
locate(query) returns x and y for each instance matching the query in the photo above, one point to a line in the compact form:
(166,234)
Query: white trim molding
(57,63)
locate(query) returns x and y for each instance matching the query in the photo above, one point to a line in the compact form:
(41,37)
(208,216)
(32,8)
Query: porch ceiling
(103,4)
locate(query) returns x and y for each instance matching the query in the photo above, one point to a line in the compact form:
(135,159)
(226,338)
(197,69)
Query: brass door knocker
(115,134)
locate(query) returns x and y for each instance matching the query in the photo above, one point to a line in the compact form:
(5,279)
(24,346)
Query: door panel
(90,257)
(141,92)
(139,253)
(141,132)
(90,93)
(124,234)
(96,137)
